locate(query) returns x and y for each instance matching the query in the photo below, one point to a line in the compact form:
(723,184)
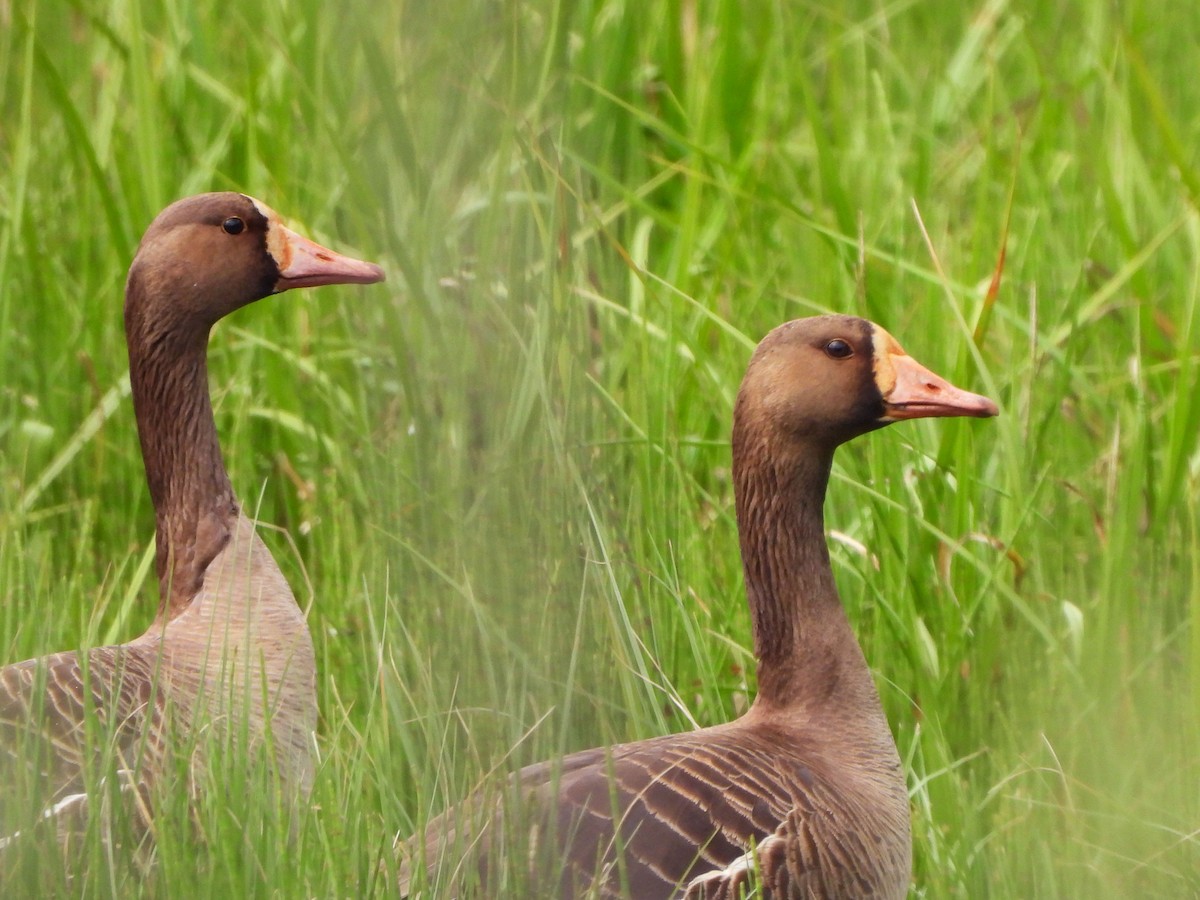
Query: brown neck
(194,504)
(808,655)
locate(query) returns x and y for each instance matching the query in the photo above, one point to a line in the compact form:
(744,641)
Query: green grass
(502,478)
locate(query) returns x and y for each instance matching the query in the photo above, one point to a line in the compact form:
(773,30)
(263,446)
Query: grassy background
(502,478)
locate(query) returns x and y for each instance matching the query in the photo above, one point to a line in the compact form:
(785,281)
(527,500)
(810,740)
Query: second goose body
(229,653)
(803,796)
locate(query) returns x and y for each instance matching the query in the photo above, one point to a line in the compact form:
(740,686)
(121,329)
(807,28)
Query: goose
(803,796)
(229,652)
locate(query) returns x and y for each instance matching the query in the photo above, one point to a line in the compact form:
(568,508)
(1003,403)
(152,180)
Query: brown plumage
(229,653)
(803,795)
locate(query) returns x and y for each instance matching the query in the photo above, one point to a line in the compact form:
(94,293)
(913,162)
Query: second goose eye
(838,349)
(233,225)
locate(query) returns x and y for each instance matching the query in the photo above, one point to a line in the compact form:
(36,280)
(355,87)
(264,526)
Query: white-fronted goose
(229,651)
(804,794)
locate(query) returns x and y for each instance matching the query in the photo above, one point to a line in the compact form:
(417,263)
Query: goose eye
(838,349)
(233,225)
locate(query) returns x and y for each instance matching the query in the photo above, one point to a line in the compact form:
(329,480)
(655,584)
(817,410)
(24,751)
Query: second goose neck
(194,504)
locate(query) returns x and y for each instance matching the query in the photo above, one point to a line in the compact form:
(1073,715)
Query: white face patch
(883,348)
(277,243)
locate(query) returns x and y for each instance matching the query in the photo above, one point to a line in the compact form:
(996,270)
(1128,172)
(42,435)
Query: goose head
(828,379)
(202,258)
(205,256)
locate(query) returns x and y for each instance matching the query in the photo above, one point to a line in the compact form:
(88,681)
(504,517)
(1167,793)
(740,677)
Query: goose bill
(308,264)
(918,393)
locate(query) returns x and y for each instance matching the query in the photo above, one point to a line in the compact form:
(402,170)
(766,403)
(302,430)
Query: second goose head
(205,256)
(201,259)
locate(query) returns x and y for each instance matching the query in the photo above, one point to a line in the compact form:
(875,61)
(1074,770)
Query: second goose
(229,653)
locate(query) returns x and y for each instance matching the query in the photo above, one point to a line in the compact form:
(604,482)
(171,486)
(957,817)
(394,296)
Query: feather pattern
(674,816)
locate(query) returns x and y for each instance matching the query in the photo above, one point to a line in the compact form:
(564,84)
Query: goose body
(804,795)
(229,653)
